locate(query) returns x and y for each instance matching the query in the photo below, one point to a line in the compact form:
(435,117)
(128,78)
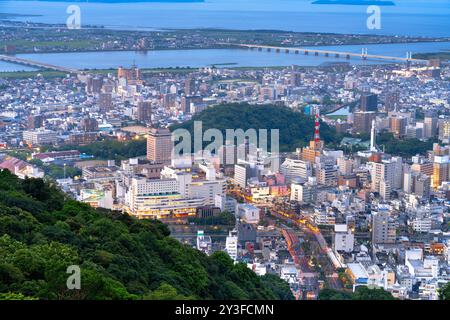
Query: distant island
(356,2)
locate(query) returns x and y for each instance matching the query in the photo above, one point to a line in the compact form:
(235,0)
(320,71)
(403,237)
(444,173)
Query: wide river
(218,57)
(429,18)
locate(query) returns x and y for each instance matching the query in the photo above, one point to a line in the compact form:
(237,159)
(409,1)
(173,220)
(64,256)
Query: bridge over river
(330,53)
(31,63)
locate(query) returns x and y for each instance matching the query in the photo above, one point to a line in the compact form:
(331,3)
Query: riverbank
(46,38)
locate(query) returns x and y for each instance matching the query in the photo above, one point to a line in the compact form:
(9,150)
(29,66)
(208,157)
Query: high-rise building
(228,154)
(189,86)
(132,73)
(89,125)
(386,174)
(369,102)
(93,84)
(169,100)
(231,244)
(424,168)
(421,185)
(144,111)
(440,170)
(186,102)
(294,169)
(430,126)
(444,130)
(383,226)
(105,101)
(397,125)
(35,121)
(362,121)
(392,100)
(243,172)
(295,79)
(159,145)
(305,192)
(326,171)
(344,239)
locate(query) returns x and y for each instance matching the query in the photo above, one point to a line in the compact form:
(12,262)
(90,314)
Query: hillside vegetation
(42,233)
(296,129)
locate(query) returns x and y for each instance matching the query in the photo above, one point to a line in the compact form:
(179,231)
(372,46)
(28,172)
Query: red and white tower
(316,128)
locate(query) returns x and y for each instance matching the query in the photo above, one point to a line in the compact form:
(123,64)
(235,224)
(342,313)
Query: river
(220,57)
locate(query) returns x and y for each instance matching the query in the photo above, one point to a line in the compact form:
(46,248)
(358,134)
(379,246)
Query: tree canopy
(120,257)
(295,128)
(361,293)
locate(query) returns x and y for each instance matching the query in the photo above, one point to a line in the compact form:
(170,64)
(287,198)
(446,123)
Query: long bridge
(37,64)
(330,53)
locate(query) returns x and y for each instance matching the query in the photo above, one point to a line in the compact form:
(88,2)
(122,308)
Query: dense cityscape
(355,197)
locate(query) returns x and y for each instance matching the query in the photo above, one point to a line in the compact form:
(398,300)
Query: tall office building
(97,83)
(305,192)
(392,100)
(430,124)
(243,172)
(189,86)
(383,227)
(132,73)
(294,169)
(35,121)
(326,171)
(386,174)
(397,125)
(369,102)
(444,130)
(105,101)
(295,79)
(362,121)
(169,100)
(159,145)
(144,111)
(440,170)
(89,125)
(186,102)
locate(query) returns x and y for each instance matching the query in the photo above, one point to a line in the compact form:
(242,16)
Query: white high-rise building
(389,171)
(304,192)
(231,245)
(158,198)
(294,169)
(344,239)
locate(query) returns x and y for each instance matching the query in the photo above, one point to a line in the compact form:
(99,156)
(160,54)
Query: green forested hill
(296,129)
(42,233)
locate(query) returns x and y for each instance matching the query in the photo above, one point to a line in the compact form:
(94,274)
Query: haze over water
(409,17)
